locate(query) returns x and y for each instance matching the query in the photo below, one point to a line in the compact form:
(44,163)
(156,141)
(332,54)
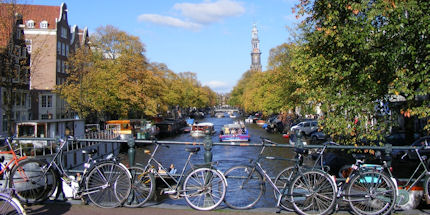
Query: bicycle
(203,187)
(367,189)
(106,182)
(15,166)
(247,182)
(10,205)
(404,198)
(6,168)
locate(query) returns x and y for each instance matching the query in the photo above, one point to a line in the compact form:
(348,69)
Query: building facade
(255,53)
(50,40)
(14,70)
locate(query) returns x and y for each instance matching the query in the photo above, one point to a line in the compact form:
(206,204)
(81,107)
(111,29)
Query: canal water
(227,156)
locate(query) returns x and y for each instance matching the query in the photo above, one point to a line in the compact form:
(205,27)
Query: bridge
(226,109)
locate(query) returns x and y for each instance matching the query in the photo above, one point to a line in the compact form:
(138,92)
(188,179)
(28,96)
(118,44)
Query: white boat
(199,129)
(219,115)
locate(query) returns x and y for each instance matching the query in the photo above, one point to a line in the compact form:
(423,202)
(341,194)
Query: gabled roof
(39,13)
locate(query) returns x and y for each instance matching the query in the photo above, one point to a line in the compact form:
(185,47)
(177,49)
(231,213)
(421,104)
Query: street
(75,207)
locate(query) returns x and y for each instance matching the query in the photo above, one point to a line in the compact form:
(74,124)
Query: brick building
(51,40)
(14,70)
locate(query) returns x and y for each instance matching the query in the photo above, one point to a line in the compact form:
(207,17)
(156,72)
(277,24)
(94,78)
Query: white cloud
(209,12)
(218,86)
(168,21)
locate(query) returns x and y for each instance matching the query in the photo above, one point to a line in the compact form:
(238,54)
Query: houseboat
(170,127)
(139,129)
(38,138)
(236,132)
(50,128)
(199,129)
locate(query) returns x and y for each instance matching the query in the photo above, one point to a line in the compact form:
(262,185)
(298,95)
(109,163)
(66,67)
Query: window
(46,101)
(58,65)
(67,50)
(63,49)
(44,24)
(45,116)
(58,47)
(64,32)
(28,43)
(30,24)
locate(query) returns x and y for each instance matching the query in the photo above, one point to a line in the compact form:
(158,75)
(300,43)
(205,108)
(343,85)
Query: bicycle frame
(409,184)
(15,159)
(149,166)
(64,177)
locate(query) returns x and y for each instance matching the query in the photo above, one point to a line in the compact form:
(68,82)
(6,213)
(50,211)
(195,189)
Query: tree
(354,54)
(113,78)
(14,59)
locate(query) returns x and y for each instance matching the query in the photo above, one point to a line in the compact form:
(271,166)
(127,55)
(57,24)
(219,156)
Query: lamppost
(208,146)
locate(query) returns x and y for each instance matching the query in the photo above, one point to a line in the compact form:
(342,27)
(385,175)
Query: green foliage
(114,78)
(351,56)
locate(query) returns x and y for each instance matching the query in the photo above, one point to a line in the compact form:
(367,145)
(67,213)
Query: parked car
(318,136)
(274,124)
(305,128)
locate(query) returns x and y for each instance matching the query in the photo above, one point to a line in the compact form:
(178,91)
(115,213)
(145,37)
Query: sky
(211,38)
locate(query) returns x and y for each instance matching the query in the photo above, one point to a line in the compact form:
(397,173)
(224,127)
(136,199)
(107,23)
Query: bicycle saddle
(91,151)
(192,149)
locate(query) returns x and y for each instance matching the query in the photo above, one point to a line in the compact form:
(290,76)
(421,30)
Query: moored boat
(199,129)
(220,115)
(236,132)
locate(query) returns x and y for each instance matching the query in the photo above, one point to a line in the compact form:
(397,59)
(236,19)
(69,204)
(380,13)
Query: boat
(260,122)
(38,138)
(236,132)
(140,129)
(219,115)
(199,129)
(171,127)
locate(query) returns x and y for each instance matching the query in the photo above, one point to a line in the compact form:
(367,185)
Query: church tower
(255,54)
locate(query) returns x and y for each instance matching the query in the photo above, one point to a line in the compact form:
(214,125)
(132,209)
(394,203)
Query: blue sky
(211,38)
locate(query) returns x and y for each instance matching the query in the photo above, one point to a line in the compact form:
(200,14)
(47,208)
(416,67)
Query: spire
(255,54)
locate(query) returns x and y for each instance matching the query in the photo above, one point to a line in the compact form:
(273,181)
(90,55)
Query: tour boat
(234,133)
(199,129)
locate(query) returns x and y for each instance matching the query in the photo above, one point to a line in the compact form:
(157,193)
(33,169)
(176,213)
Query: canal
(227,156)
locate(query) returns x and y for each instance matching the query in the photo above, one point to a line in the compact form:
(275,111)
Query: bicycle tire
(282,182)
(242,196)
(30,182)
(10,206)
(427,187)
(204,184)
(108,184)
(142,187)
(378,190)
(308,191)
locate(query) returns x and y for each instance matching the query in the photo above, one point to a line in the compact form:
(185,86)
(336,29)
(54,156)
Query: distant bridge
(226,110)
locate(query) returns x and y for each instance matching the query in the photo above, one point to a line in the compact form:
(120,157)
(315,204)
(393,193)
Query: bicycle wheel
(31,182)
(282,182)
(142,187)
(313,192)
(204,189)
(371,192)
(108,184)
(10,206)
(245,187)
